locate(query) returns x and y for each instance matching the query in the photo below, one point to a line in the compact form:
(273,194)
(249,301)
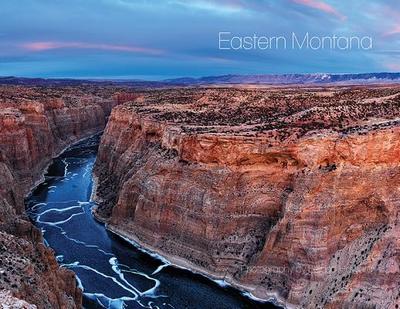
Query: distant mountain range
(284,79)
(291,79)
(11,80)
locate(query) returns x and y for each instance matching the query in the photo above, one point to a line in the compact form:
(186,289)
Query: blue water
(112,272)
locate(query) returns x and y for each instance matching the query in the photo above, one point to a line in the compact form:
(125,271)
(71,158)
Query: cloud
(393,66)
(395,31)
(224,6)
(213,6)
(181,36)
(321,6)
(386,18)
(51,45)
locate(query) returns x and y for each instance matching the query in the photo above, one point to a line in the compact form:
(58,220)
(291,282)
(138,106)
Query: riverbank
(73,142)
(37,125)
(248,291)
(110,270)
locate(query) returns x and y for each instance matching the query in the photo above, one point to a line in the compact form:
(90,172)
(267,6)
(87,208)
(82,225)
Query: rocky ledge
(36,124)
(290,193)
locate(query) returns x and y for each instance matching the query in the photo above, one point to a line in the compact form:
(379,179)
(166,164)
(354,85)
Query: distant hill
(11,80)
(284,79)
(288,79)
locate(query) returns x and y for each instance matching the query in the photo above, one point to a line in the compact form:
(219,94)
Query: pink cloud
(321,6)
(394,67)
(395,30)
(390,16)
(50,45)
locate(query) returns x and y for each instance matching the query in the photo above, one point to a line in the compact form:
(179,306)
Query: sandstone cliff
(290,193)
(35,125)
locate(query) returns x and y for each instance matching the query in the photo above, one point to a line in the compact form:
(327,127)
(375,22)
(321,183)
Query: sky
(154,39)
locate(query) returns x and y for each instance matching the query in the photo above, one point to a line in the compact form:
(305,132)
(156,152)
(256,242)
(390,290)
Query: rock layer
(35,125)
(287,193)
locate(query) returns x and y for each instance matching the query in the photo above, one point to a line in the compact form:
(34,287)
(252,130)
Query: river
(111,271)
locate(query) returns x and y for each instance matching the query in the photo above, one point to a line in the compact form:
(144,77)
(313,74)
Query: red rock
(36,124)
(290,193)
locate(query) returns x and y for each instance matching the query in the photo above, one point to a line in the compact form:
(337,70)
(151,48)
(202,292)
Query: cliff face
(35,125)
(285,193)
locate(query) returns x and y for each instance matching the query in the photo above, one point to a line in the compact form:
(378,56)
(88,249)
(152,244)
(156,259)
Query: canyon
(36,124)
(290,193)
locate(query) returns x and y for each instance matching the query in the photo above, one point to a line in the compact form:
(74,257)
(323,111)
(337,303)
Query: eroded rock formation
(290,193)
(10,302)
(35,125)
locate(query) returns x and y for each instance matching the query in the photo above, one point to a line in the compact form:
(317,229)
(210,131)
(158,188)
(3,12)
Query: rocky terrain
(291,193)
(35,125)
(10,302)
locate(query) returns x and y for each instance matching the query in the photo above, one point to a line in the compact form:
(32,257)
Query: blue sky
(154,39)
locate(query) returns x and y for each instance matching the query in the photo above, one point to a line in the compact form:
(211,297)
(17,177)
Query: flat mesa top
(71,95)
(281,113)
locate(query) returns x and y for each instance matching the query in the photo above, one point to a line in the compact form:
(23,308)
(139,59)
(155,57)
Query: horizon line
(139,78)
